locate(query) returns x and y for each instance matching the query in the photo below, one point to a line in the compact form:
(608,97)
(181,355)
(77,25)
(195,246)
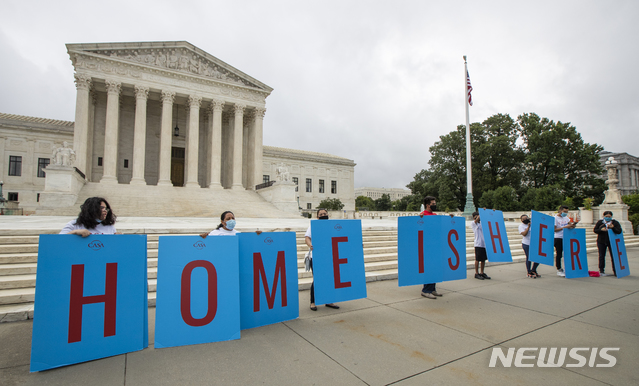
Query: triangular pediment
(179,56)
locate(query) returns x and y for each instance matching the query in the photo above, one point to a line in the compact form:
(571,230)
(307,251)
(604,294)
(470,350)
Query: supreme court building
(155,114)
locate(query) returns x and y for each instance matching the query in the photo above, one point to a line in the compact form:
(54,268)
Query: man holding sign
(603,241)
(562,221)
(322,214)
(429,291)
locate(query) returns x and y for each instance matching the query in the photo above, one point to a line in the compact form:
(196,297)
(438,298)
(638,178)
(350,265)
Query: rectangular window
(309,185)
(42,163)
(321,186)
(38,197)
(266,178)
(296,182)
(126,163)
(334,187)
(11,196)
(309,206)
(99,161)
(15,165)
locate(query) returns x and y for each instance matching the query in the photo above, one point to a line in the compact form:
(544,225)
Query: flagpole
(470,206)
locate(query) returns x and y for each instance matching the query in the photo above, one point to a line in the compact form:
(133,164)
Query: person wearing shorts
(480,248)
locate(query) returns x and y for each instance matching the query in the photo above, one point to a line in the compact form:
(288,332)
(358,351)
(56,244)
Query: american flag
(470,88)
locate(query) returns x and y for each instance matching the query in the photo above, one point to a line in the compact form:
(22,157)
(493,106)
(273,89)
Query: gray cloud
(373,81)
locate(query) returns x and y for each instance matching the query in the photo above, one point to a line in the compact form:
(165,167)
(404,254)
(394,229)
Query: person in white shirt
(322,214)
(480,248)
(95,218)
(225,228)
(562,221)
(524,230)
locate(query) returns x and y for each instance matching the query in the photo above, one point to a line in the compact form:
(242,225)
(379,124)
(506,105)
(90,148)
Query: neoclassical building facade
(167,114)
(159,115)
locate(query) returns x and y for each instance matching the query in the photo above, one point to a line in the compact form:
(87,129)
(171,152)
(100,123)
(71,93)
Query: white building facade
(375,193)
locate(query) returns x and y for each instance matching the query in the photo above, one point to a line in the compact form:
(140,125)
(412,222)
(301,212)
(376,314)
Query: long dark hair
(222,217)
(90,211)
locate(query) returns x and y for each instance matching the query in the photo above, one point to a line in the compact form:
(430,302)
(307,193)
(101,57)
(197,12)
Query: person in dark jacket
(603,241)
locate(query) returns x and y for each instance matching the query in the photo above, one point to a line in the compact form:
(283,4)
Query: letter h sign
(90,302)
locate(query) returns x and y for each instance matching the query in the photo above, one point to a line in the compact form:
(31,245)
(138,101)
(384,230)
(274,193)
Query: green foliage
(383,203)
(539,160)
(504,198)
(570,203)
(546,198)
(331,204)
(588,203)
(364,202)
(632,200)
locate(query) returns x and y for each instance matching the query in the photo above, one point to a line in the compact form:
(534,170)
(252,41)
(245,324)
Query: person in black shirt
(603,241)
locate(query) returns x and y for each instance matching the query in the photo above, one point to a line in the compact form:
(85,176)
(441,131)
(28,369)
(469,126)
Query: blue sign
(198,294)
(338,260)
(542,239)
(575,257)
(90,300)
(619,256)
(268,278)
(453,231)
(494,228)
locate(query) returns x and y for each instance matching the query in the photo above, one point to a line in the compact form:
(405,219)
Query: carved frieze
(178,59)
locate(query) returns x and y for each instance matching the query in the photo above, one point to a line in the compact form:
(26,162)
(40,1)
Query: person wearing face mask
(322,214)
(524,230)
(562,221)
(430,204)
(603,240)
(480,248)
(95,218)
(226,227)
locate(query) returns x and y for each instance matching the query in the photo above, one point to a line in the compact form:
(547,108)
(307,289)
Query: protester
(429,291)
(95,218)
(562,221)
(603,240)
(322,214)
(225,228)
(524,230)
(480,248)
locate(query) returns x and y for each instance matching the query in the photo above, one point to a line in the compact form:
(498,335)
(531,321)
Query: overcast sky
(374,81)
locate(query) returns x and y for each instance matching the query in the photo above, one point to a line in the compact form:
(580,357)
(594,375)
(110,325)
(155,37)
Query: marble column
(192,144)
(139,135)
(248,123)
(257,148)
(166,140)
(90,159)
(238,129)
(81,127)
(216,144)
(110,161)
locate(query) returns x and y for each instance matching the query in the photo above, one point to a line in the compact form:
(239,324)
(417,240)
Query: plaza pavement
(394,336)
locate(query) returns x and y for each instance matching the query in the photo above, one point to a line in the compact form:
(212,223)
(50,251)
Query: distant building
(375,193)
(318,176)
(627,171)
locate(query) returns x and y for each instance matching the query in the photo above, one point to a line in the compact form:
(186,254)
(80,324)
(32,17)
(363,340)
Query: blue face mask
(98,220)
(230,224)
(608,218)
(564,214)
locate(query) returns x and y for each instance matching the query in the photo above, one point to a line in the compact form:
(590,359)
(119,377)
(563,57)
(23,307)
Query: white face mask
(230,224)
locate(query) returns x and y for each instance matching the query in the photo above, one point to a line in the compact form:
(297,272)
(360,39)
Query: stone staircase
(170,201)
(19,254)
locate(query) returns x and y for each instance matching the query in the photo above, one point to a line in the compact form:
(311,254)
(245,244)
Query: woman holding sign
(95,218)
(322,214)
(524,230)
(226,227)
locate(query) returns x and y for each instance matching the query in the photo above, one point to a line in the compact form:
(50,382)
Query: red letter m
(258,271)
(78,300)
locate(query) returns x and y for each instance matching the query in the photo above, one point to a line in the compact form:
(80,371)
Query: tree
(364,202)
(383,203)
(331,204)
(632,200)
(530,153)
(555,154)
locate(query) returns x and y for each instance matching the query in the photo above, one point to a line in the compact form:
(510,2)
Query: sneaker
(561,273)
(485,276)
(603,274)
(436,293)
(428,295)
(479,276)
